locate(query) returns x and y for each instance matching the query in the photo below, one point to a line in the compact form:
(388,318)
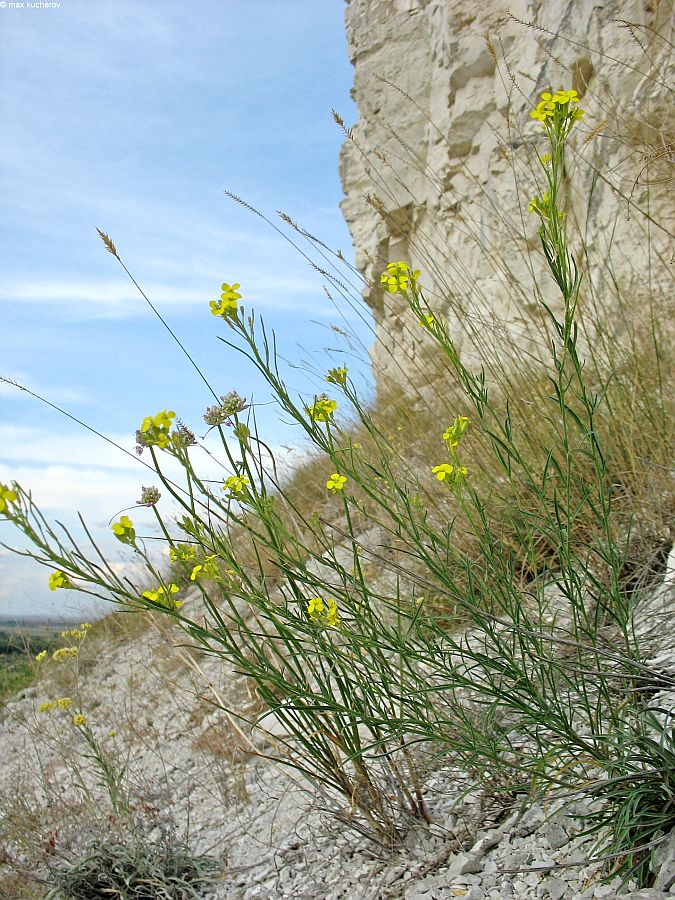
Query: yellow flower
(322,409)
(45,707)
(443,471)
(540,206)
(555,109)
(164,596)
(427,322)
(162,419)
(318,613)
(112,734)
(315,608)
(337,376)
(63,703)
(545,159)
(59,579)
(41,657)
(230,292)
(336,482)
(333,617)
(124,531)
(455,431)
(236,484)
(79,720)
(64,653)
(227,305)
(544,110)
(182,553)
(154,430)
(6,496)
(563,97)
(398,276)
(207,569)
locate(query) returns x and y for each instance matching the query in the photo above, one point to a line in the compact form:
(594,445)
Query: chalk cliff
(443,160)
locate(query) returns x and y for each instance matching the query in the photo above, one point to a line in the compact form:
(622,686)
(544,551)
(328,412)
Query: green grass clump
(133,870)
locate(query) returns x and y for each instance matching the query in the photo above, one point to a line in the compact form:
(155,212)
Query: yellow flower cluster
(164,596)
(543,206)
(59,579)
(540,206)
(236,484)
(207,569)
(64,653)
(182,553)
(323,613)
(557,104)
(337,376)
(227,305)
(398,277)
(49,705)
(426,322)
(322,409)
(336,482)
(79,720)
(78,633)
(6,496)
(453,473)
(124,531)
(454,432)
(449,473)
(154,430)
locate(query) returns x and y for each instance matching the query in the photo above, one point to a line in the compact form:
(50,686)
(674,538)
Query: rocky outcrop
(443,159)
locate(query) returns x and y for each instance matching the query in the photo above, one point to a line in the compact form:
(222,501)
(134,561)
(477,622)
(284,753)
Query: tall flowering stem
(558,114)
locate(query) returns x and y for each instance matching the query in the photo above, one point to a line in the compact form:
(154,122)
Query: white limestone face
(455,162)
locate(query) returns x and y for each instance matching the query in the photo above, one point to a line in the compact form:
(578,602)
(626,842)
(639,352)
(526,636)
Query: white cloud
(119,298)
(32,445)
(94,491)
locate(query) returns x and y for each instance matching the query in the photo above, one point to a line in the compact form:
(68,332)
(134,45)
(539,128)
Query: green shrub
(519,530)
(133,869)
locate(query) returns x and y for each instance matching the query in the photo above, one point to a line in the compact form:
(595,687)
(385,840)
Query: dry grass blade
(341,122)
(107,240)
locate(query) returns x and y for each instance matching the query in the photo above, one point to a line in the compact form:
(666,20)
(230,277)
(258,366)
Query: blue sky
(135,117)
